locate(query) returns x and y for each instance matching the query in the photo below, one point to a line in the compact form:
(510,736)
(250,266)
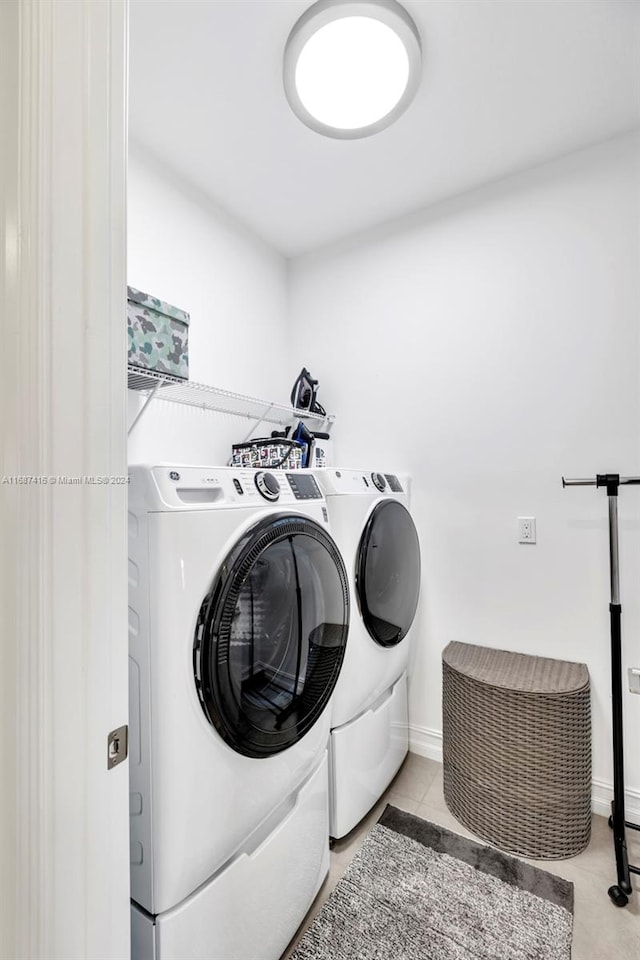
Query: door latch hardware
(117,746)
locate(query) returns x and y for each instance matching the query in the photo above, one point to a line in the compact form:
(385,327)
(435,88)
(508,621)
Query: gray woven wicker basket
(517,749)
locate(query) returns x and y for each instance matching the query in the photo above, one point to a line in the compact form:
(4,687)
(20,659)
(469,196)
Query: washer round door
(388,573)
(271,635)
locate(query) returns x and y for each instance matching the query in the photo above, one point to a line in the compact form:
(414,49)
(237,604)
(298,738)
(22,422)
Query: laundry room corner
(485,343)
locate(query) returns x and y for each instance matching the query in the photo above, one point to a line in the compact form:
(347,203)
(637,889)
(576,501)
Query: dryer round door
(388,573)
(271,635)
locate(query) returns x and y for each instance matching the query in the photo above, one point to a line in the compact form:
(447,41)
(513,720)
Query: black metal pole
(619,893)
(615,610)
(619,835)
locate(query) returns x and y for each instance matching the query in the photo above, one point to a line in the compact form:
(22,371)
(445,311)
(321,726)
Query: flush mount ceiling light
(351,67)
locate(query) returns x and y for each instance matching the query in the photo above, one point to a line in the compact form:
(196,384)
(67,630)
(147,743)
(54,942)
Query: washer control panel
(174,486)
(304,486)
(394,484)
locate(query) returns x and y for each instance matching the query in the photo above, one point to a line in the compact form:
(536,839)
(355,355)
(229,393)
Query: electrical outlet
(634,680)
(526,529)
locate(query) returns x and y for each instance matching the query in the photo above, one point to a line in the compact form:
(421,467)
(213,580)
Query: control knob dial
(267,485)
(378,481)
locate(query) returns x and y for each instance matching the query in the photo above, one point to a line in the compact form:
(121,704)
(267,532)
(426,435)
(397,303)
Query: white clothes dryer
(238,618)
(373,528)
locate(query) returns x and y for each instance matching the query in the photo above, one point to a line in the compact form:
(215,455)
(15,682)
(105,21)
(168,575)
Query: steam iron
(303,394)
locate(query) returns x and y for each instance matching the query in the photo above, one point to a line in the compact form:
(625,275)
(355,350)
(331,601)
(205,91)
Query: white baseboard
(428,743)
(425,742)
(602,795)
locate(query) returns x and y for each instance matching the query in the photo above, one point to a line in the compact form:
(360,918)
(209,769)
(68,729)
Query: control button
(237,485)
(174,475)
(378,481)
(268,486)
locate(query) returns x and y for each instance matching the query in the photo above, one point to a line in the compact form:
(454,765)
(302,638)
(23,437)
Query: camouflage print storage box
(158,335)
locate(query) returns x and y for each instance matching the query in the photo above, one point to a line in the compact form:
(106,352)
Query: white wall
(489,346)
(188,252)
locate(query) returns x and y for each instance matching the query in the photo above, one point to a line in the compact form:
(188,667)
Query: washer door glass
(388,573)
(271,635)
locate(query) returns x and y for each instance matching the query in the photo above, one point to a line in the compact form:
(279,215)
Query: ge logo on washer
(174,475)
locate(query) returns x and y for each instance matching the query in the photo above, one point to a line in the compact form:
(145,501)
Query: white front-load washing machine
(373,528)
(238,619)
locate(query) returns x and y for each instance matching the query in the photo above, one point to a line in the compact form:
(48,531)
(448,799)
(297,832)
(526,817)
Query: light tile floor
(601,931)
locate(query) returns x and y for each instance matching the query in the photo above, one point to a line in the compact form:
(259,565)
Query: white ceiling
(507,84)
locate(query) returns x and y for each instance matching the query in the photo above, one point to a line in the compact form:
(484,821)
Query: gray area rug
(416,891)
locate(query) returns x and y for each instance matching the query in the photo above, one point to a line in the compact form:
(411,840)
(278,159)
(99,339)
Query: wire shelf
(139,379)
(174,390)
